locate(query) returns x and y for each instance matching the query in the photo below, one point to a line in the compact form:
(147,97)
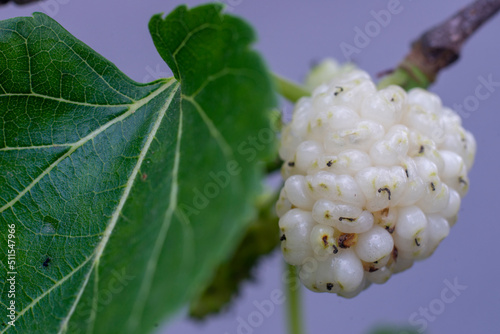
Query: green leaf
(126,196)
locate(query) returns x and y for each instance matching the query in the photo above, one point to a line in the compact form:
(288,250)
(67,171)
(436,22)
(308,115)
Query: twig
(18,2)
(440,46)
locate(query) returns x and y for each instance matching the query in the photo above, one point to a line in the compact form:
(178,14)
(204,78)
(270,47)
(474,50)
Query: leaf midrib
(114,219)
(146,283)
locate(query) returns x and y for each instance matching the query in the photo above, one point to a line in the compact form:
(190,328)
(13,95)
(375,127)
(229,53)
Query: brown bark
(440,46)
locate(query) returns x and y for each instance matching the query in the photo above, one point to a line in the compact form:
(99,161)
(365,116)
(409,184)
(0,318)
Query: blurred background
(454,291)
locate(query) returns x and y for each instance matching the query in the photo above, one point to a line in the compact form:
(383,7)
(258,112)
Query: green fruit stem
(290,90)
(294,303)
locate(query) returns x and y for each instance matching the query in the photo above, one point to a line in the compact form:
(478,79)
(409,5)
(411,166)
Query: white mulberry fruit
(373,180)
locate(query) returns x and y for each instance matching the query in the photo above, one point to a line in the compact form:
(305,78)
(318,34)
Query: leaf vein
(191,34)
(214,132)
(146,283)
(91,68)
(95,298)
(133,107)
(62,100)
(48,291)
(123,199)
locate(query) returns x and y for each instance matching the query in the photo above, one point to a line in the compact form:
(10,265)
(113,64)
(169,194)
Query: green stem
(290,90)
(295,323)
(407,77)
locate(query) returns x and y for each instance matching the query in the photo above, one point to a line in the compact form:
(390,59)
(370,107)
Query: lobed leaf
(126,196)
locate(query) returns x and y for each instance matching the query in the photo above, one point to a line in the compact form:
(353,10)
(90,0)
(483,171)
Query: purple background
(293,34)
